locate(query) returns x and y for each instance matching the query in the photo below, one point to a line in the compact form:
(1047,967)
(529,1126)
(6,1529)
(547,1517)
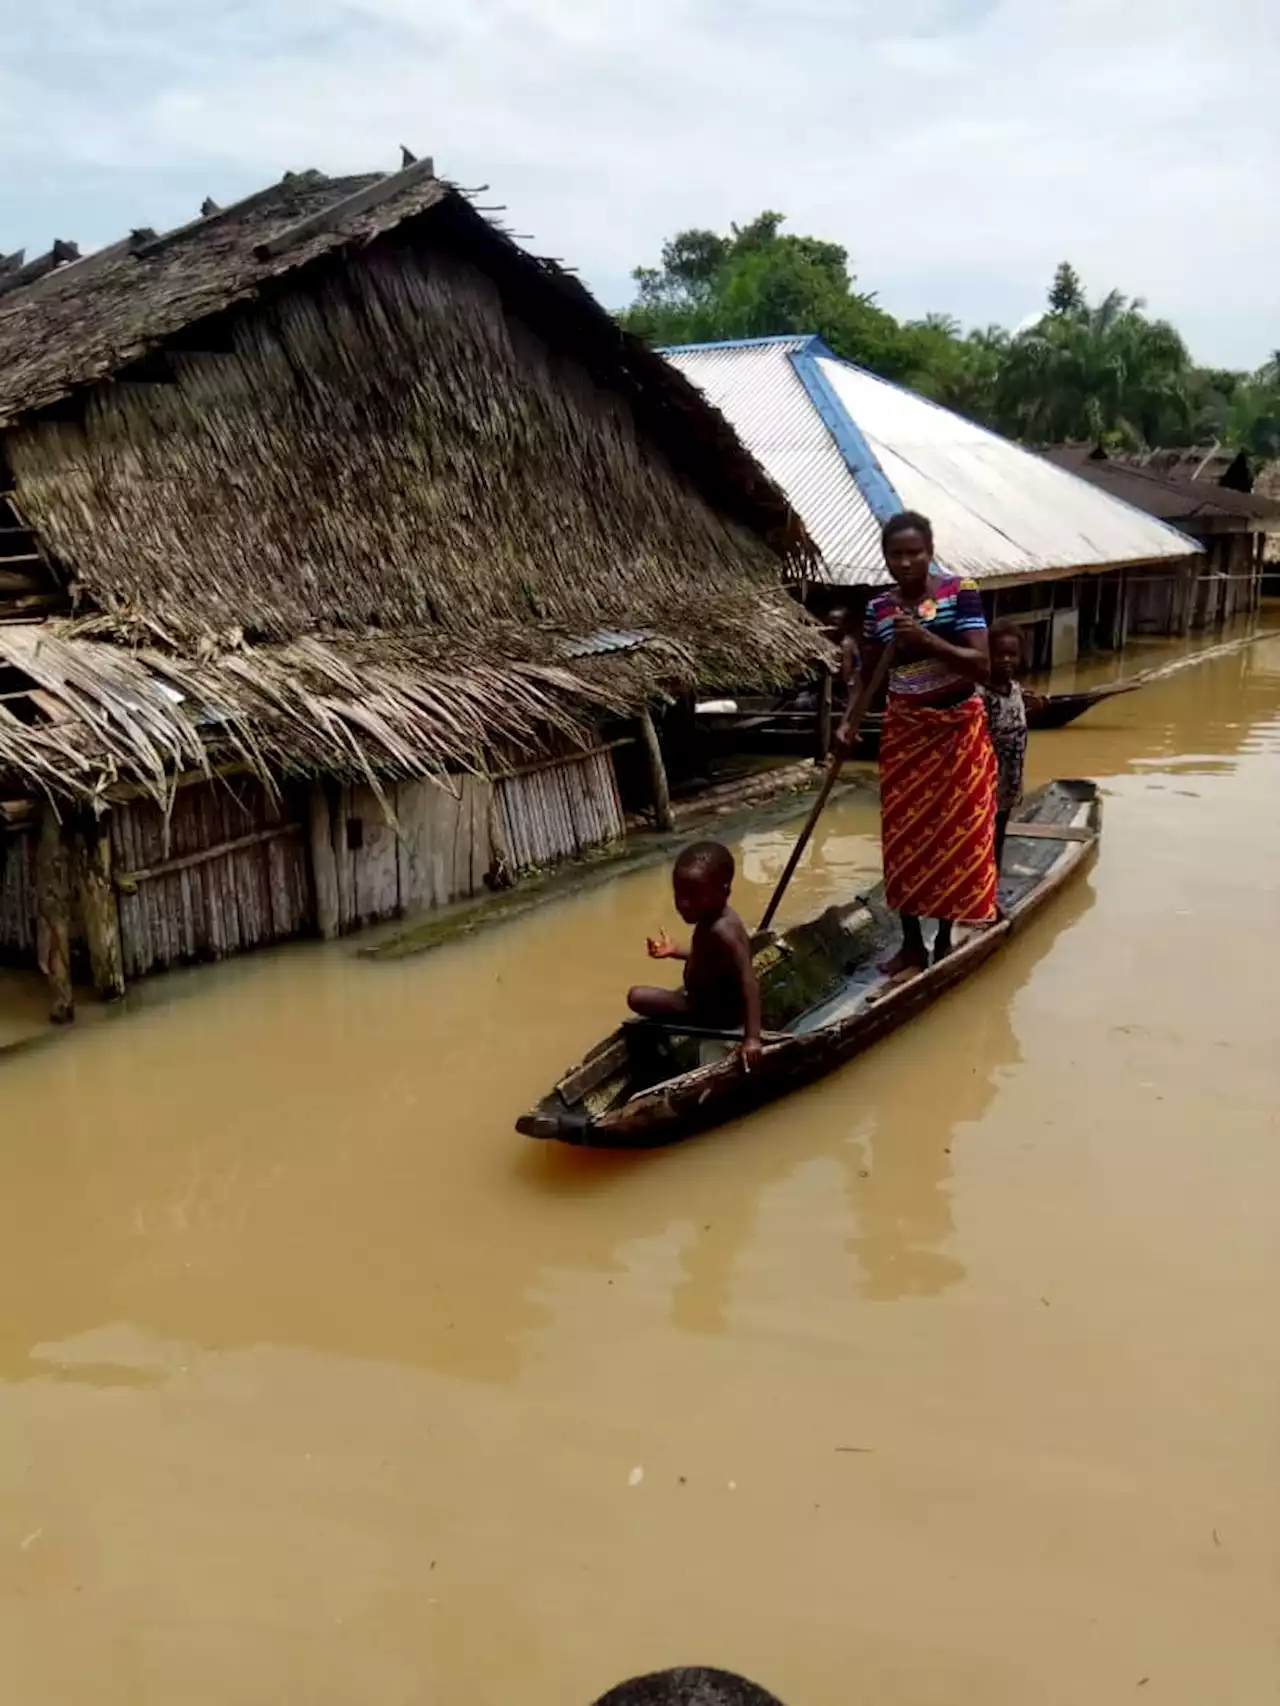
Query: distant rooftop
(1163,487)
(850,449)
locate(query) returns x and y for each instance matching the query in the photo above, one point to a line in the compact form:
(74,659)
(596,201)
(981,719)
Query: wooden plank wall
(448,842)
(450,838)
(446,848)
(443,851)
(18,899)
(236,900)
(554,813)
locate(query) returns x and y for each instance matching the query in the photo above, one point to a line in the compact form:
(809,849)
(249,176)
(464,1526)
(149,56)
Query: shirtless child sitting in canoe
(721,991)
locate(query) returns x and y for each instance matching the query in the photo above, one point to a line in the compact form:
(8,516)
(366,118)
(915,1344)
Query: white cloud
(960,148)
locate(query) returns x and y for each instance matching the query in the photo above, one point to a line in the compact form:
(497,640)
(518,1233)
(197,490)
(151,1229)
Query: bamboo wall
(231,873)
(232,868)
(18,899)
(551,814)
(1212,589)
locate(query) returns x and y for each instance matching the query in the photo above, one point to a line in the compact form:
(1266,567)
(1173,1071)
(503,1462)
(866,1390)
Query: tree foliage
(1066,293)
(759,280)
(1103,371)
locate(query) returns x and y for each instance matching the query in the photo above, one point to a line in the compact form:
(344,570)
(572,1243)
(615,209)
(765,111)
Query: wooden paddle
(853,722)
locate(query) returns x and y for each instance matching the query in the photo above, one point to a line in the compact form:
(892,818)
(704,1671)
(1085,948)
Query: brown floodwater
(953,1381)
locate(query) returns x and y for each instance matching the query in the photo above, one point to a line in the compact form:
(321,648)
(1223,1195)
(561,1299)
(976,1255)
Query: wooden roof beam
(58,256)
(84,268)
(234,210)
(395,183)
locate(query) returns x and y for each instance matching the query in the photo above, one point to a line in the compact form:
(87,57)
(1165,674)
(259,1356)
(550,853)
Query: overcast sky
(959,148)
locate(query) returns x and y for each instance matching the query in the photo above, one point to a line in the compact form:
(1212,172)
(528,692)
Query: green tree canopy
(757,281)
(1104,371)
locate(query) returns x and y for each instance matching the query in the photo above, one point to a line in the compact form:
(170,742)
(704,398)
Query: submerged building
(1204,495)
(1051,551)
(341,542)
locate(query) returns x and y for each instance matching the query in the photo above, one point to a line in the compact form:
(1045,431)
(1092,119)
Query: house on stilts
(342,541)
(1207,495)
(1070,563)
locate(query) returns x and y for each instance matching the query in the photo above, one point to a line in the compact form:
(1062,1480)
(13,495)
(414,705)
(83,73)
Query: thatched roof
(335,479)
(353,706)
(100,316)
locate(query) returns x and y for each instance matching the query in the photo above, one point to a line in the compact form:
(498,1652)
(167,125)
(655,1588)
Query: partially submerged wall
(227,871)
(233,866)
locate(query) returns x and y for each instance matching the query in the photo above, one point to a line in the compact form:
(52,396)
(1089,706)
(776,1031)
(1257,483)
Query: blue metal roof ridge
(802,338)
(869,477)
(822,351)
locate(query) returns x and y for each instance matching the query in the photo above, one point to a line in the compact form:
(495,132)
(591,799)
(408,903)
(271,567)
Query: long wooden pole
(852,723)
(662,815)
(53,938)
(324,865)
(99,910)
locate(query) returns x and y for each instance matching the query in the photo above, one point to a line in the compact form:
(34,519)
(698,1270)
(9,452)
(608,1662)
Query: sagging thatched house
(337,534)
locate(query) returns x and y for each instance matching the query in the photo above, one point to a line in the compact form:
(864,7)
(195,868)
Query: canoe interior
(814,978)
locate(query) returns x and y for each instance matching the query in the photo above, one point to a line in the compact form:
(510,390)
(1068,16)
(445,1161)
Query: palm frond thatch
(390,450)
(358,707)
(329,499)
(109,315)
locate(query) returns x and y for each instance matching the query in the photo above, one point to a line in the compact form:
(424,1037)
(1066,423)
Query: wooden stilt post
(324,864)
(99,910)
(53,930)
(657,772)
(822,736)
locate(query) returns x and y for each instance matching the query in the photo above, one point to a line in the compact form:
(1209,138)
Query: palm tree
(1103,372)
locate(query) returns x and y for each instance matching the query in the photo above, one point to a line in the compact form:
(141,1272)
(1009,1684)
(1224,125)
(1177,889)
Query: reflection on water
(316,1381)
(1199,719)
(900,1195)
(894,1175)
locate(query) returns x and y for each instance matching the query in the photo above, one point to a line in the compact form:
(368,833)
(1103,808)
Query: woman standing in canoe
(937,769)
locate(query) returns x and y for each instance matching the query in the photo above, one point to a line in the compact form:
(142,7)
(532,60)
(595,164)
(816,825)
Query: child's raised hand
(661,947)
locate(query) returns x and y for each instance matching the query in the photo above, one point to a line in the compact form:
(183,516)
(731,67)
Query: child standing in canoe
(721,990)
(1007,706)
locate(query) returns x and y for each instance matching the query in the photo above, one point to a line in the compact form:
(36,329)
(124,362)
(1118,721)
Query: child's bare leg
(652,1003)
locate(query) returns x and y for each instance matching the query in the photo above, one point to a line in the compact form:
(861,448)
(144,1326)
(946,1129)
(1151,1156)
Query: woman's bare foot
(895,981)
(902,962)
(942,942)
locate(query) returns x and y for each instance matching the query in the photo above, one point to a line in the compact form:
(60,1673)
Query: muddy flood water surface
(952,1381)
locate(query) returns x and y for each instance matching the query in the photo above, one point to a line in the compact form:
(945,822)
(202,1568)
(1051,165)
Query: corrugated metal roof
(998,511)
(757,389)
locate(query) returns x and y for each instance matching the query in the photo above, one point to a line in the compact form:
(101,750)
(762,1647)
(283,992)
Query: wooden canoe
(755,728)
(1059,709)
(824,1000)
